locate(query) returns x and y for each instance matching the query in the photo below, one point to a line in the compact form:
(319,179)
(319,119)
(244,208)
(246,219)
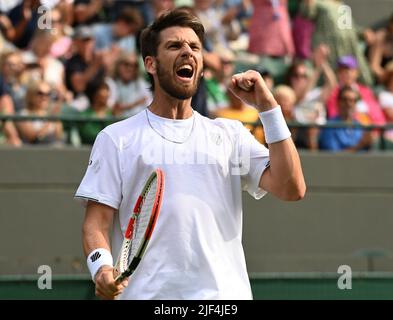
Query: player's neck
(171,108)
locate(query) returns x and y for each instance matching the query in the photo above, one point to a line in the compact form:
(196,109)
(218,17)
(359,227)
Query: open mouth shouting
(185,72)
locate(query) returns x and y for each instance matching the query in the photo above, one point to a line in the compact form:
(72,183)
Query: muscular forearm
(98,221)
(286,177)
(96,227)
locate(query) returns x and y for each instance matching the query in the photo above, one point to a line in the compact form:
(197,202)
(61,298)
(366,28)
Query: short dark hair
(93,87)
(345,89)
(150,36)
(293,69)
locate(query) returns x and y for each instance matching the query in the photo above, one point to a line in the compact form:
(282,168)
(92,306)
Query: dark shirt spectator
(85,63)
(345,139)
(98,95)
(24,18)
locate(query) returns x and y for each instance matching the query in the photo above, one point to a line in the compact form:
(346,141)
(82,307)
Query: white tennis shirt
(196,248)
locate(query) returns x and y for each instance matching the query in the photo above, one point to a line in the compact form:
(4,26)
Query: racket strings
(143,218)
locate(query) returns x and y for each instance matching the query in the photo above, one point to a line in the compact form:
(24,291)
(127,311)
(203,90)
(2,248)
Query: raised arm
(320,57)
(96,227)
(284,178)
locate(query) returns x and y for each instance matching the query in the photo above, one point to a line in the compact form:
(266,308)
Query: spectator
(302,30)
(270,37)
(286,98)
(386,100)
(368,110)
(38,104)
(7,108)
(381,52)
(342,41)
(49,69)
(267,76)
(345,139)
(217,24)
(79,101)
(98,95)
(121,34)
(12,68)
(133,94)
(310,99)
(216,91)
(66,8)
(85,65)
(238,110)
(270,30)
(24,18)
(62,42)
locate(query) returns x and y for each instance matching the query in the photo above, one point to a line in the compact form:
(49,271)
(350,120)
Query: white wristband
(96,259)
(274,125)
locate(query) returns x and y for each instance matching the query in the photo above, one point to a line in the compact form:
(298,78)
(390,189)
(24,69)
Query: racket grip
(134,263)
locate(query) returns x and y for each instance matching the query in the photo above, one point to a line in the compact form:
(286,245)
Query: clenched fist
(250,87)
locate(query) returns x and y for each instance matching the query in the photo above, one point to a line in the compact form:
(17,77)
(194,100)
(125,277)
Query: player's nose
(186,51)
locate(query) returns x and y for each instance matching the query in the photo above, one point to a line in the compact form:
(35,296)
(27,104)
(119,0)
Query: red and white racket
(140,226)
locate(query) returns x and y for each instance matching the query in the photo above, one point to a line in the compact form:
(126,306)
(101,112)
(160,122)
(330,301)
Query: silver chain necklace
(165,138)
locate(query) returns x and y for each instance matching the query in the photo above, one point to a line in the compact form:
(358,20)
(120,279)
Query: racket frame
(121,271)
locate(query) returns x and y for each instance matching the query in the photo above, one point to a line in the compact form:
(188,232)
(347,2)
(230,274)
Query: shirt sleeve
(253,160)
(102,181)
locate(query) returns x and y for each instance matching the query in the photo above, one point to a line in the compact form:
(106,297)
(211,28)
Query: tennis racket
(140,226)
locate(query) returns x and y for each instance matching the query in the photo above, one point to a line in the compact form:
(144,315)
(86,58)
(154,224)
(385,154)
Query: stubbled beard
(175,90)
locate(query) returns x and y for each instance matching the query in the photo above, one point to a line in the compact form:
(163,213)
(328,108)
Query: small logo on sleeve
(94,164)
(95,256)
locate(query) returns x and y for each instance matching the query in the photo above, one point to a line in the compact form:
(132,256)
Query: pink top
(375,113)
(61,47)
(270,29)
(302,35)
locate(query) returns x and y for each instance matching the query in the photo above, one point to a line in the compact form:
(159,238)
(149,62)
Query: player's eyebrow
(181,42)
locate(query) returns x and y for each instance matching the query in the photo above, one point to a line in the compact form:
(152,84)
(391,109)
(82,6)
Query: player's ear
(150,65)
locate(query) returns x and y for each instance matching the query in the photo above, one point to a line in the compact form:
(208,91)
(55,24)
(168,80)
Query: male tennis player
(196,248)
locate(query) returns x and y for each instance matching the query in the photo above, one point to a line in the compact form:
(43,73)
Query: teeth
(185,67)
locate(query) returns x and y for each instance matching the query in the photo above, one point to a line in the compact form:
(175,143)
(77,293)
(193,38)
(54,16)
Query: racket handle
(132,267)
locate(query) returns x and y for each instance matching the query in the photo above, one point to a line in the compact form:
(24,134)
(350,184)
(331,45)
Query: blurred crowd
(81,58)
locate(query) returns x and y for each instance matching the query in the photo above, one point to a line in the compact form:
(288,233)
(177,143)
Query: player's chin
(183,94)
(188,91)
